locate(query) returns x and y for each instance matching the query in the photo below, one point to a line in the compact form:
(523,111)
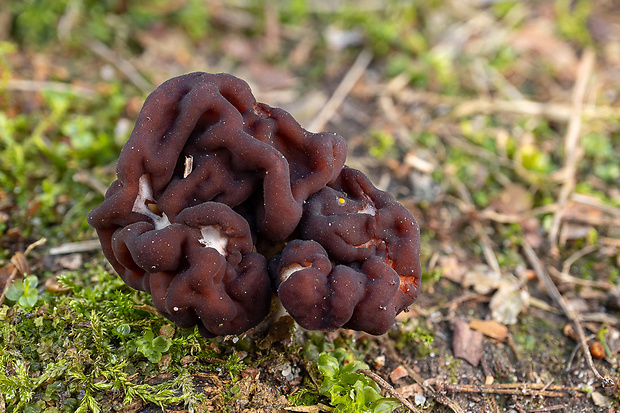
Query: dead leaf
(398,373)
(600,400)
(410,390)
(467,343)
(451,268)
(490,328)
(482,279)
(514,199)
(164,363)
(71,261)
(167,330)
(508,302)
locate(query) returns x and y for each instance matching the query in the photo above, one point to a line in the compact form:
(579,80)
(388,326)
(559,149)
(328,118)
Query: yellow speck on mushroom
(341,201)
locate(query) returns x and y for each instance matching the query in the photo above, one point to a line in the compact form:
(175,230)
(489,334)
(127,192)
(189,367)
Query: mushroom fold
(209,176)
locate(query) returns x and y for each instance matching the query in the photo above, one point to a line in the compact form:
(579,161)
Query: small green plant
(383,144)
(24,292)
(347,388)
(153,347)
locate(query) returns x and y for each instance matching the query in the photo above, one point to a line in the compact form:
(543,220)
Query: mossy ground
(462,113)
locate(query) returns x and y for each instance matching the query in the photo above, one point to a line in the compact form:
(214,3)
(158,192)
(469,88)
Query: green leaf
(30,282)
(123,329)
(385,406)
(15,291)
(154,356)
(148,336)
(328,365)
(28,301)
(161,344)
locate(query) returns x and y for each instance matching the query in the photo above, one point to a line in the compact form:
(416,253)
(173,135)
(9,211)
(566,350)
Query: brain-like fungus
(209,176)
(358,266)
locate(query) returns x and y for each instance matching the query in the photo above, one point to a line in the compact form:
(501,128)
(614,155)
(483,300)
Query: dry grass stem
(520,389)
(557,112)
(567,278)
(121,64)
(576,256)
(553,291)
(549,408)
(428,389)
(388,387)
(595,203)
(23,85)
(89,179)
(272,28)
(571,142)
(73,247)
(354,73)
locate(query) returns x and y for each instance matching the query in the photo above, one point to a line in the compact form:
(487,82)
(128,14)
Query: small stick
(576,256)
(121,64)
(564,277)
(571,142)
(522,389)
(438,396)
(559,112)
(342,91)
(24,85)
(73,247)
(381,382)
(272,28)
(595,203)
(549,408)
(553,291)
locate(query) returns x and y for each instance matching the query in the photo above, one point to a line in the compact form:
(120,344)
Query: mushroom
(372,246)
(209,177)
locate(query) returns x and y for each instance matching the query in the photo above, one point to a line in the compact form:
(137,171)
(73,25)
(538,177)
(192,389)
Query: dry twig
(24,85)
(73,247)
(552,290)
(388,387)
(121,64)
(559,112)
(520,389)
(549,408)
(428,389)
(571,142)
(342,91)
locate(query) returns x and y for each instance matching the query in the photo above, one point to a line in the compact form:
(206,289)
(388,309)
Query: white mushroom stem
(368,207)
(212,238)
(189,166)
(145,195)
(286,272)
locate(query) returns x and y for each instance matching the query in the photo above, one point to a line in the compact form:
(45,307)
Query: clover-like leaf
(15,291)
(161,344)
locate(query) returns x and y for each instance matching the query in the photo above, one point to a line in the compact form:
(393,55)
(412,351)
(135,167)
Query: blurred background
(495,122)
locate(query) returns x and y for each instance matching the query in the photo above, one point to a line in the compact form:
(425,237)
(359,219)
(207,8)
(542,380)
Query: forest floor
(497,123)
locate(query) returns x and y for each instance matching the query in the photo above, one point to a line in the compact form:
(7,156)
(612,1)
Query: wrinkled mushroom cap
(208,174)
